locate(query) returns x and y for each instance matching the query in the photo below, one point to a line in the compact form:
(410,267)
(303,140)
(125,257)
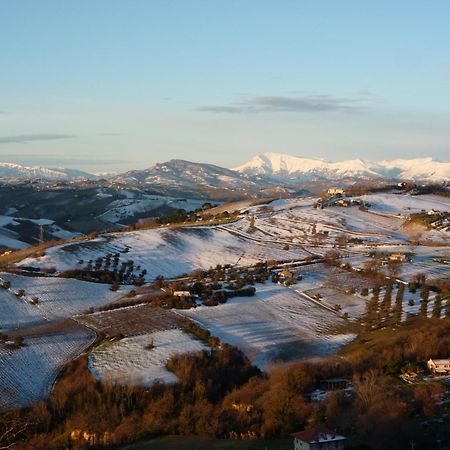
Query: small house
(286,277)
(286,273)
(439,366)
(335,191)
(181,294)
(318,438)
(398,257)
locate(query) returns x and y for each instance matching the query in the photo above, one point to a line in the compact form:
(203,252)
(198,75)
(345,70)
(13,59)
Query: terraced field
(132,320)
(27,373)
(57,298)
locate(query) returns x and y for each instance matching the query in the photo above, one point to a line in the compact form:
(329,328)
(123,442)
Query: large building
(318,438)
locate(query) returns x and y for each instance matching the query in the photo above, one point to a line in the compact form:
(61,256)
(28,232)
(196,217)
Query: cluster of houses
(226,279)
(440,220)
(345,203)
(286,277)
(436,368)
(336,197)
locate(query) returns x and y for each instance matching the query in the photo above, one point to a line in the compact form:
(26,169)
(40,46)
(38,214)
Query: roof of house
(317,434)
(441,361)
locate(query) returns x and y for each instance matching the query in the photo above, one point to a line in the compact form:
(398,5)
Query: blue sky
(108,85)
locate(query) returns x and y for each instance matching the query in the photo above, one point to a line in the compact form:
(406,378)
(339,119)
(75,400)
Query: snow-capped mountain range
(263,170)
(17,171)
(287,168)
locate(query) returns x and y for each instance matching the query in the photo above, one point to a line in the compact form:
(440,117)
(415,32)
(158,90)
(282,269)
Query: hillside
(177,176)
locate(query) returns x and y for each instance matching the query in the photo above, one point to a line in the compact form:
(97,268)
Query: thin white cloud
(26,138)
(298,104)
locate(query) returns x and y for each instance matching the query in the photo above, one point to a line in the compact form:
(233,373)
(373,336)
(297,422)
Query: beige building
(439,366)
(181,294)
(335,191)
(399,257)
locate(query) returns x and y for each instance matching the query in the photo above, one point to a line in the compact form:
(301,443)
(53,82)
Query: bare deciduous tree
(12,429)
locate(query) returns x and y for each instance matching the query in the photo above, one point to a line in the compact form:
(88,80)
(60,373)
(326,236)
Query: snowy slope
(276,325)
(287,229)
(404,205)
(9,170)
(168,252)
(287,167)
(129,362)
(27,374)
(58,298)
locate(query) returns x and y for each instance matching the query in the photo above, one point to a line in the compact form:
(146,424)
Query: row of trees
(108,270)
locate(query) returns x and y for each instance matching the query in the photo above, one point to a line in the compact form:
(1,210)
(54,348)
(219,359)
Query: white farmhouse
(398,257)
(181,294)
(439,366)
(318,438)
(335,191)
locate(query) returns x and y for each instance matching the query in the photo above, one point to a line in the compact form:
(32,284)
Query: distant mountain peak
(182,175)
(18,171)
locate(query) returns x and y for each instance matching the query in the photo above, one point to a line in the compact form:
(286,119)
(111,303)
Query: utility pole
(41,234)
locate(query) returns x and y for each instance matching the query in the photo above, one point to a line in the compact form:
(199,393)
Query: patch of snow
(128,361)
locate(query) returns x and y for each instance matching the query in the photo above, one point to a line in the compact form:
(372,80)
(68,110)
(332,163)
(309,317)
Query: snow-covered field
(288,229)
(128,361)
(57,298)
(28,373)
(297,222)
(423,261)
(278,324)
(353,305)
(169,252)
(403,205)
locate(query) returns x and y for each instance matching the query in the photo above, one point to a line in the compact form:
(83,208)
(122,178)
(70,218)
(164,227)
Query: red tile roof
(317,434)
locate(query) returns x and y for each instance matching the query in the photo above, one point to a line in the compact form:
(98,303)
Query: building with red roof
(318,438)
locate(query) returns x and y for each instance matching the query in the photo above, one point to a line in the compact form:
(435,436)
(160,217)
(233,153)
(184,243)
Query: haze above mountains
(267,168)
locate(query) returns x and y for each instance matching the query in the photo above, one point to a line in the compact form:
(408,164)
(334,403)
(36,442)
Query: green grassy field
(197,443)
